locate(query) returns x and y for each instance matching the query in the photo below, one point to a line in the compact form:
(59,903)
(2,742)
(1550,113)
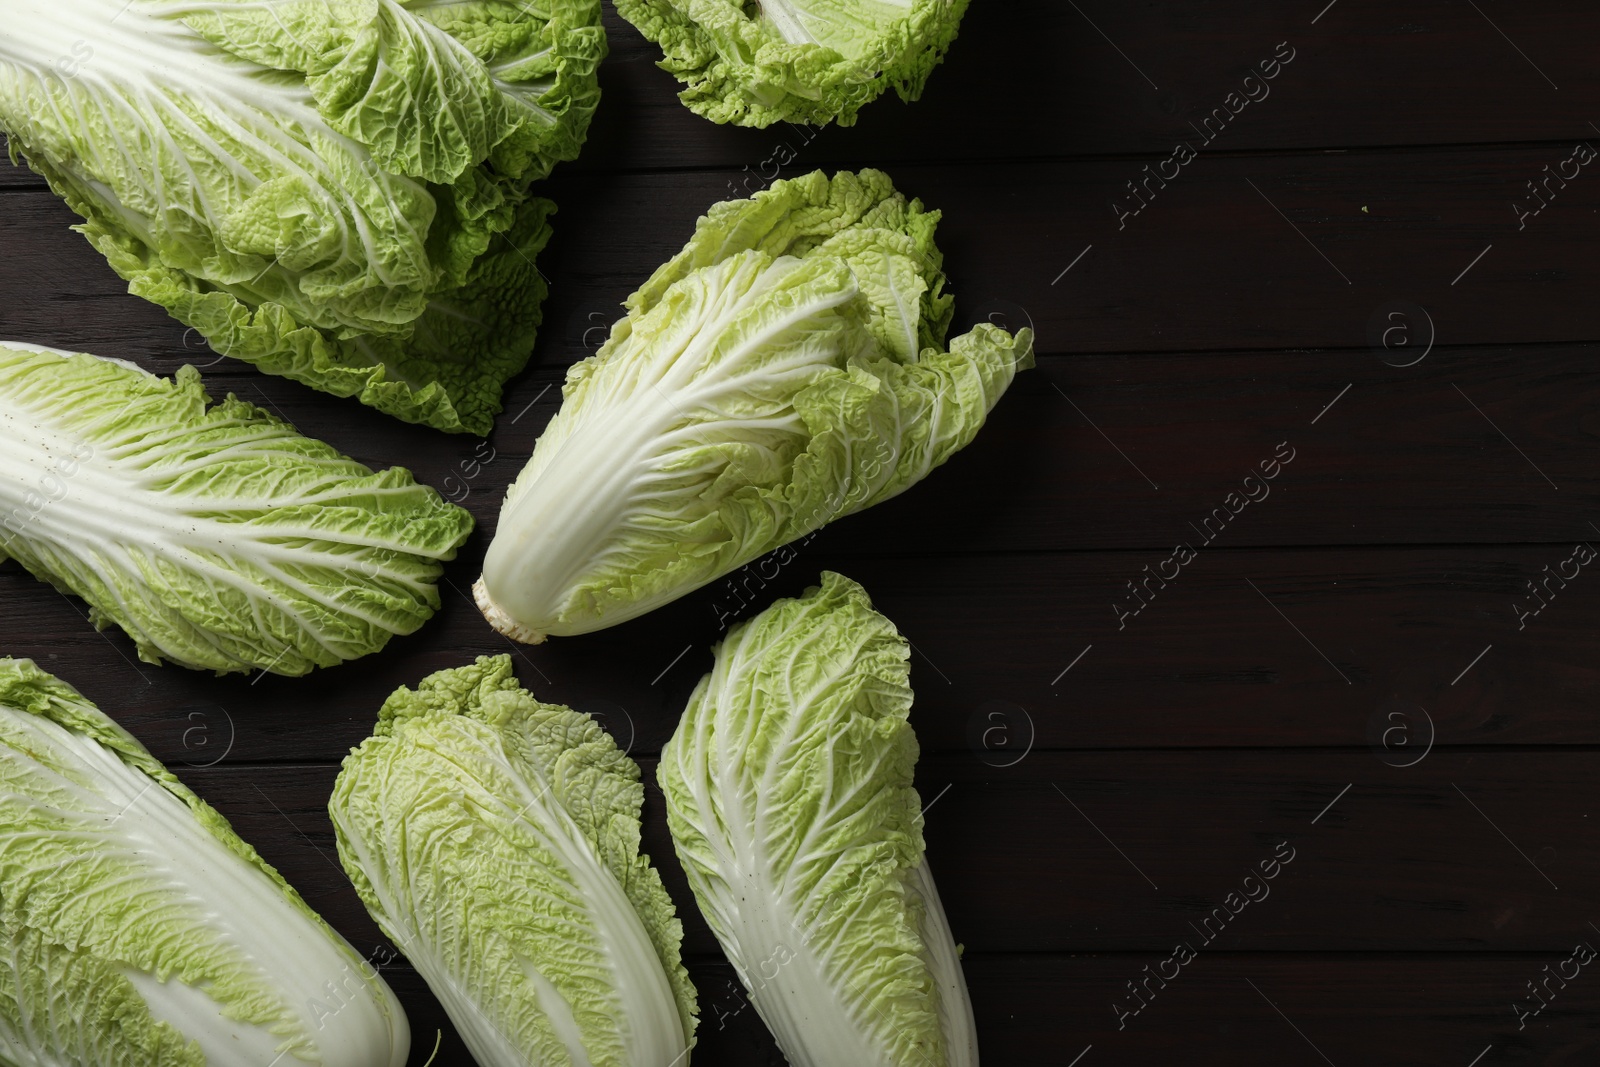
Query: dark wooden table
(1345,683)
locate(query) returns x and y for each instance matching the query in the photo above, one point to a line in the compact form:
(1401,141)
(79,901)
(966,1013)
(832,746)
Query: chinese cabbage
(139,930)
(791,805)
(495,839)
(810,61)
(333,190)
(787,368)
(214,534)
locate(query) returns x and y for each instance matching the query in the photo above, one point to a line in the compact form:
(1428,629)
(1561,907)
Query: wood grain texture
(1252,1009)
(1126,851)
(1239,251)
(1104,78)
(1349,666)
(1255,648)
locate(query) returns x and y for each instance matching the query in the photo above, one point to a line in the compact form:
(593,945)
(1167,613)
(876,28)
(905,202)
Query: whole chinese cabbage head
(811,61)
(495,839)
(333,190)
(214,534)
(140,931)
(789,795)
(787,368)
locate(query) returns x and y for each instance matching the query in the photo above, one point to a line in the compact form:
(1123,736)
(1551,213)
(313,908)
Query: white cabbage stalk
(139,930)
(789,796)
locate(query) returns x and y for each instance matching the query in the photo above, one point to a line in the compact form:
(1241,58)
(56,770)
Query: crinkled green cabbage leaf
(215,535)
(139,930)
(333,190)
(495,839)
(807,61)
(789,797)
(787,368)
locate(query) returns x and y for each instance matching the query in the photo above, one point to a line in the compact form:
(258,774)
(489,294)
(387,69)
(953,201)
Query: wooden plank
(1294,647)
(1095,452)
(1282,251)
(1036,78)
(1101,452)
(1086,852)
(1261,252)
(1400,1011)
